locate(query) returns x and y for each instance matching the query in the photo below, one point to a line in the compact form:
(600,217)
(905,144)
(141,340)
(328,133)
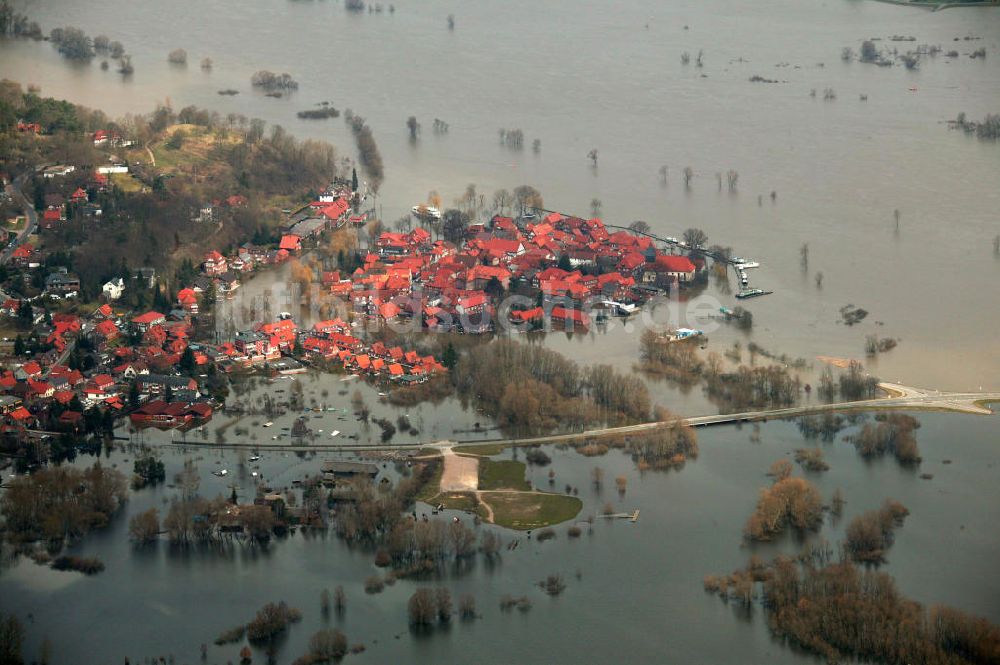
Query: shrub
(374,584)
(271,620)
(545,534)
(232,635)
(87,566)
(538,457)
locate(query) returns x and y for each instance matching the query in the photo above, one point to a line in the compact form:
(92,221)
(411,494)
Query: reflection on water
(838,168)
(642,580)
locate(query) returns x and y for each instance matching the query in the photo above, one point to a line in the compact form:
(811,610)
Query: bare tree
(413,126)
(819,280)
(639,226)
(664,171)
(592,156)
(688,174)
(595,207)
(804,256)
(695,238)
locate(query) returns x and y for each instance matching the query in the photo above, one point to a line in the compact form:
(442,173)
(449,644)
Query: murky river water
(577,76)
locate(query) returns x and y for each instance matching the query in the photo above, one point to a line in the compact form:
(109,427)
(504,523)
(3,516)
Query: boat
(220,473)
(745,264)
(426,212)
(268,423)
(334,433)
(752,293)
(254,458)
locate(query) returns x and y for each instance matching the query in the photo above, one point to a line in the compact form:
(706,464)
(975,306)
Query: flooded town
(419,343)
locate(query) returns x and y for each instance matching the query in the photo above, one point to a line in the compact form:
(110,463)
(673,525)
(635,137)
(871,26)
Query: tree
(422,607)
(413,126)
(494,288)
(526,197)
(592,156)
(133,395)
(564,263)
(354,179)
(178,57)
(688,175)
(454,223)
(11,640)
(327,645)
(450,356)
(695,238)
(144,527)
(595,207)
(187,362)
(639,227)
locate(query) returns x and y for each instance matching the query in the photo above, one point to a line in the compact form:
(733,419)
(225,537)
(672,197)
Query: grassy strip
(432,487)
(485,450)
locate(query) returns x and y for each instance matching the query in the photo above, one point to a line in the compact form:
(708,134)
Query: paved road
(898,397)
(29,212)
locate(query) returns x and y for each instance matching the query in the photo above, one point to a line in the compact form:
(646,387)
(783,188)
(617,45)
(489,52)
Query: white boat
(334,433)
(220,472)
(268,423)
(426,211)
(254,458)
(744,265)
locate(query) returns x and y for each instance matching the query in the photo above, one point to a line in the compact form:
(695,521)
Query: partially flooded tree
(413,126)
(688,174)
(178,57)
(592,156)
(595,207)
(144,528)
(695,238)
(639,226)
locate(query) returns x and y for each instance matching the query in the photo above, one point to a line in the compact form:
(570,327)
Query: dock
(631,517)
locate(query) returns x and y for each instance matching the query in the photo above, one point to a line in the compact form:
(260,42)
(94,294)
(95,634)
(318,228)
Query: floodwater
(582,75)
(639,587)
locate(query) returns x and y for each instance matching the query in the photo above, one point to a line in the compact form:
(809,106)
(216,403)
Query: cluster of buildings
(101,366)
(564,265)
(329,341)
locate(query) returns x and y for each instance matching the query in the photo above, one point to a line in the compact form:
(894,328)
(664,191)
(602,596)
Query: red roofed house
(52,217)
(570,318)
(144,322)
(214,264)
(290,243)
(668,269)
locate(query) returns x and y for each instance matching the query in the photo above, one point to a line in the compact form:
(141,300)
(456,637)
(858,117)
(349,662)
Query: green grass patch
(485,449)
(433,485)
(502,475)
(531,510)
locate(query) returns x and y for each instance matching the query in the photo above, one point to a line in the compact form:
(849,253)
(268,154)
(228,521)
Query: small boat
(220,473)
(254,458)
(334,433)
(745,264)
(268,423)
(426,212)
(752,293)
